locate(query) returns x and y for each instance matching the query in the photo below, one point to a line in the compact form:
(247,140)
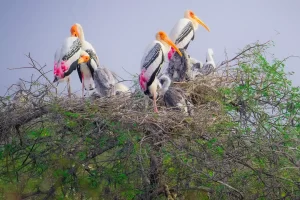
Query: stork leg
(82,90)
(154,102)
(146,102)
(69,87)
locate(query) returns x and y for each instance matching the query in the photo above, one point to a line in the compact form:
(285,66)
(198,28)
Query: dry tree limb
(39,69)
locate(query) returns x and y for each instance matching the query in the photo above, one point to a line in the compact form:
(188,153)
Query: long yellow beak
(81,60)
(201,23)
(167,40)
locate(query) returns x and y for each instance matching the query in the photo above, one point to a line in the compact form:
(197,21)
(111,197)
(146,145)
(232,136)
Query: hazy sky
(120,30)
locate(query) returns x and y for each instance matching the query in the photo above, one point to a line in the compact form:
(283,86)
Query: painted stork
(182,34)
(151,63)
(104,82)
(184,30)
(209,66)
(77,31)
(120,88)
(65,58)
(174,97)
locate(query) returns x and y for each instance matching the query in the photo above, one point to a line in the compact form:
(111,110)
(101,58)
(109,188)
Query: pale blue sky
(120,30)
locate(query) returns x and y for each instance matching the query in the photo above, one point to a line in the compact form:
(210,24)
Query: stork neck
(209,57)
(81,35)
(195,24)
(164,44)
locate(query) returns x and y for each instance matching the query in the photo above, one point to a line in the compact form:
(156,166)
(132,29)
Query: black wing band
(91,68)
(74,48)
(72,68)
(79,73)
(152,55)
(155,73)
(185,32)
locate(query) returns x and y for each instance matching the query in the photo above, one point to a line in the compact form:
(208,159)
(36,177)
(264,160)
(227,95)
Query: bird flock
(77,53)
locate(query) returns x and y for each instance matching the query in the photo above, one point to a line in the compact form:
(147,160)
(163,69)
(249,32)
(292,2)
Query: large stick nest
(127,109)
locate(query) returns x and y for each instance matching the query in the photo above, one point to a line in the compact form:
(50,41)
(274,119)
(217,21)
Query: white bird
(182,34)
(209,66)
(121,88)
(66,58)
(86,72)
(77,31)
(184,30)
(151,63)
(174,97)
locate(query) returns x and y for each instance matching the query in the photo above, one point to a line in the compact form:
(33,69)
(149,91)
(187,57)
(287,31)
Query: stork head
(84,57)
(77,31)
(191,16)
(163,38)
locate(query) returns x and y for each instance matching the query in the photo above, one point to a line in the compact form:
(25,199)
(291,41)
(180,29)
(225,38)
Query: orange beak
(201,22)
(169,42)
(74,31)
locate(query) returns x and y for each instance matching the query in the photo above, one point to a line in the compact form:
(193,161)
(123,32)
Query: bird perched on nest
(66,57)
(106,82)
(210,65)
(151,63)
(174,97)
(182,34)
(207,68)
(86,69)
(184,30)
(121,89)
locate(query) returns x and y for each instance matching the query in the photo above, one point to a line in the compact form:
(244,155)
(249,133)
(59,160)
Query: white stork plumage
(209,66)
(151,63)
(120,88)
(66,58)
(184,30)
(182,34)
(88,83)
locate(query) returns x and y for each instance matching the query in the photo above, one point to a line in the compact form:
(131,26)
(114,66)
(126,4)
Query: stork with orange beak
(85,71)
(65,58)
(182,34)
(151,63)
(77,31)
(184,30)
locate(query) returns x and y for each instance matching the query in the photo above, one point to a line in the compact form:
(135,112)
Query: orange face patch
(192,14)
(162,35)
(85,58)
(74,31)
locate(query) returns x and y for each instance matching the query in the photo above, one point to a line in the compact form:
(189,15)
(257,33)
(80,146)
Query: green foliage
(250,151)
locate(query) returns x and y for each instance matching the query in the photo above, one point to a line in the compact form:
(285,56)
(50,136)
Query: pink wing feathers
(171,53)
(143,80)
(58,71)
(66,55)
